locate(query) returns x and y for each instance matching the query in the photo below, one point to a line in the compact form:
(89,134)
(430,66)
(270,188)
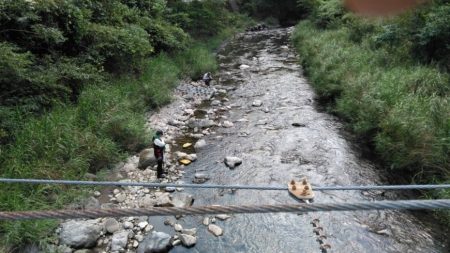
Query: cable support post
(231,209)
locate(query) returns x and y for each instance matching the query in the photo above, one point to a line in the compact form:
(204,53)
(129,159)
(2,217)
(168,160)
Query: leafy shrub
(433,39)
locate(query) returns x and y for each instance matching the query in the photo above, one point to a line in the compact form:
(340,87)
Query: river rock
(191,157)
(127,225)
(181,199)
(232,162)
(112,225)
(227,124)
(121,197)
(206,221)
(180,155)
(164,200)
(215,102)
(147,158)
(192,231)
(142,224)
(170,189)
(178,227)
(188,240)
(119,241)
(200,144)
(80,234)
(215,230)
(147,201)
(223,216)
(156,242)
(243,66)
(296,124)
(91,203)
(257,103)
(201,123)
(200,178)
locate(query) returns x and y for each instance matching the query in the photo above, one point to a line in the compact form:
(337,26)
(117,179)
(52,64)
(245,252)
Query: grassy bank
(105,125)
(398,106)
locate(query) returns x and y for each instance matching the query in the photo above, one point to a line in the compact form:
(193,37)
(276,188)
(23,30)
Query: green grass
(400,107)
(71,140)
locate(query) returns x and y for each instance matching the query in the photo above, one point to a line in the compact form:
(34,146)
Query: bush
(399,107)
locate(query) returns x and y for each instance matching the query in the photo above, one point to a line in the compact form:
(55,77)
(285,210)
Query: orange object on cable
(381,7)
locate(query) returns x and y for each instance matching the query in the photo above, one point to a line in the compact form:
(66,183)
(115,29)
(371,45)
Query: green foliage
(287,12)
(77,78)
(434,36)
(399,107)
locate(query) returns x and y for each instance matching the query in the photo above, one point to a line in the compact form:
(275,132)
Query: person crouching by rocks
(159,146)
(207,78)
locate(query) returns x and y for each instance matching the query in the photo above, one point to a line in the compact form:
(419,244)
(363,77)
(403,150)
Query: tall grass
(400,107)
(71,140)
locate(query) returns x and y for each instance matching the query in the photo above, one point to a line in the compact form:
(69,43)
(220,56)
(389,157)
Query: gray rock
(200,144)
(243,66)
(215,230)
(91,203)
(112,225)
(170,189)
(257,103)
(80,234)
(201,123)
(178,227)
(188,240)
(164,200)
(215,102)
(206,221)
(181,199)
(147,158)
(142,224)
(232,162)
(223,216)
(192,231)
(128,225)
(156,242)
(227,124)
(146,201)
(200,178)
(119,241)
(121,197)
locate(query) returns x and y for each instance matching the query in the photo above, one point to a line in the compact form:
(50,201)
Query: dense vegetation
(77,77)
(388,78)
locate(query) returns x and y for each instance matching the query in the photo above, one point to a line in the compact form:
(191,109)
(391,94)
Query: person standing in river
(207,78)
(159,146)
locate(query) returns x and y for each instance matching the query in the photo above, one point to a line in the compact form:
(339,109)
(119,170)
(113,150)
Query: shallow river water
(274,152)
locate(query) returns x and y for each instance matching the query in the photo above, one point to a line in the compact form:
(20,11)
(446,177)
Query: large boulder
(119,241)
(156,242)
(147,158)
(80,234)
(182,200)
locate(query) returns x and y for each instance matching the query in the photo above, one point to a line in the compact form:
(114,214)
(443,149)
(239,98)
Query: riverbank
(393,104)
(77,141)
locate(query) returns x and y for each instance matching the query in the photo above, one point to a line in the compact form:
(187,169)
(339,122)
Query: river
(274,152)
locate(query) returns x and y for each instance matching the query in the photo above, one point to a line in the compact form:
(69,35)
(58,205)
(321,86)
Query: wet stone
(215,230)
